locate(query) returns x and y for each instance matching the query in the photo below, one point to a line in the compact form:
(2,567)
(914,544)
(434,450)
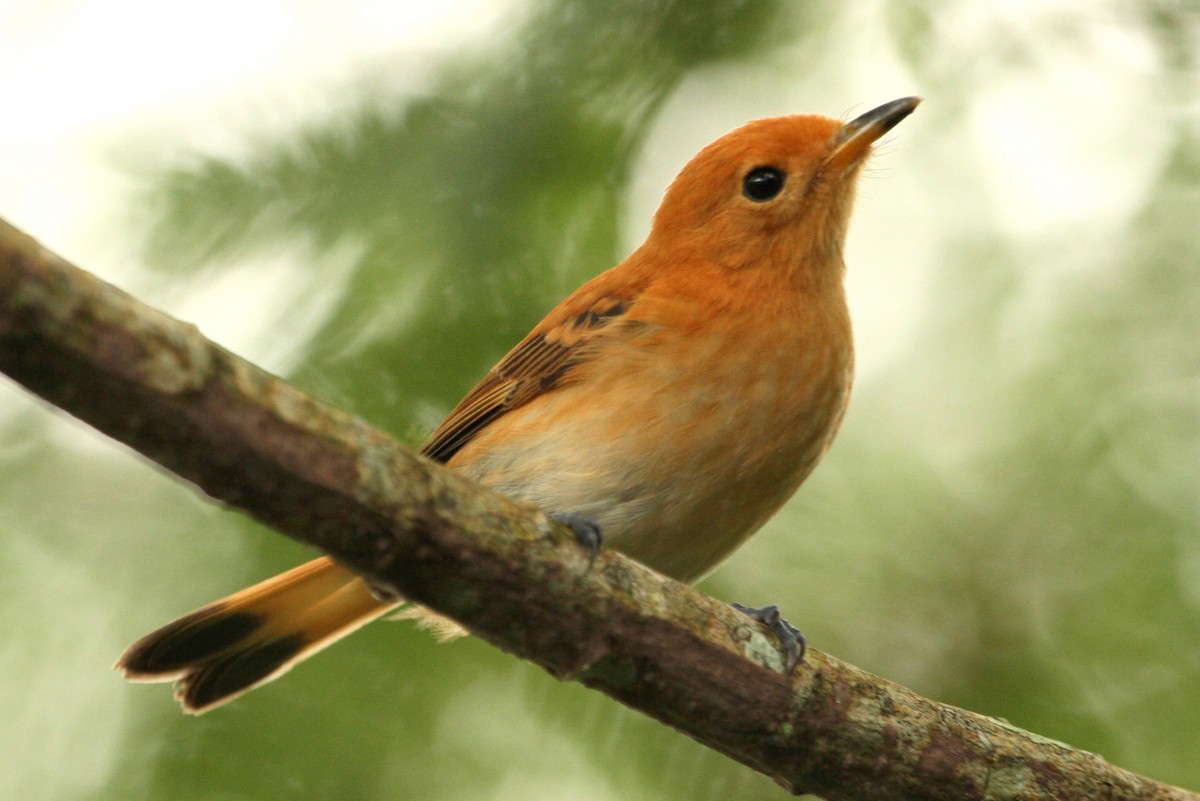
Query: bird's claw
(586,531)
(790,639)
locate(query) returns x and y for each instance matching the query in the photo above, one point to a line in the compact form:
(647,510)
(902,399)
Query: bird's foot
(586,531)
(790,639)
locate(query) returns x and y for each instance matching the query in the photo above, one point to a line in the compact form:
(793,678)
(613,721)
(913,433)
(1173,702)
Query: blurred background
(376,199)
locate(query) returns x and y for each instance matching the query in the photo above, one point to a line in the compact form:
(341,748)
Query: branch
(502,568)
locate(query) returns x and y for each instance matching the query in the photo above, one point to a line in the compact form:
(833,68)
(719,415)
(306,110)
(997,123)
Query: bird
(668,407)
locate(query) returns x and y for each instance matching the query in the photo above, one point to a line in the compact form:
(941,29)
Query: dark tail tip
(221,679)
(193,639)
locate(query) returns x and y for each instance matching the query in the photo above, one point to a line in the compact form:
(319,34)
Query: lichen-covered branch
(504,569)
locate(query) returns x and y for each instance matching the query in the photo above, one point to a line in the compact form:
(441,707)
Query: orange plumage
(676,400)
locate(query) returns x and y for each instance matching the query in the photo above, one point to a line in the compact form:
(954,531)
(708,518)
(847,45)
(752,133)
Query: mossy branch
(504,569)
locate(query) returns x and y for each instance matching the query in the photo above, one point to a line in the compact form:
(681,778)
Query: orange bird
(672,403)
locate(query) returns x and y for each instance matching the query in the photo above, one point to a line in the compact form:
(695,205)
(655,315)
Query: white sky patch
(1069,122)
(1075,148)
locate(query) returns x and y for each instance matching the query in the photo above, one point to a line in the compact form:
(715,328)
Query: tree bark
(501,568)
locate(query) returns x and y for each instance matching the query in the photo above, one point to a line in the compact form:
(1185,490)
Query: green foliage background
(1010,520)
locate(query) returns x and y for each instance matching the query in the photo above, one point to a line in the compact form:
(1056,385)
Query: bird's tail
(233,645)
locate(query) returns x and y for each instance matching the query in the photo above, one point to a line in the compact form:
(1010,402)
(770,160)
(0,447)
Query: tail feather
(236,644)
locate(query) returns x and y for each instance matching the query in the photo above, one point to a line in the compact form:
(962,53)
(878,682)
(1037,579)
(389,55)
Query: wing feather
(539,363)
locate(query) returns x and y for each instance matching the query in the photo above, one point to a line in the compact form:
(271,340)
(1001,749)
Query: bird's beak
(853,140)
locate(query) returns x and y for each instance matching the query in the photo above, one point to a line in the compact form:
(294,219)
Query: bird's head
(776,191)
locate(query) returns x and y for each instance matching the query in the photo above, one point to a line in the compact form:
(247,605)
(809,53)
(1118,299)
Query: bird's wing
(539,363)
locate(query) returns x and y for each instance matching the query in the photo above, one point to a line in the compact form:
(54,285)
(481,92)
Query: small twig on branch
(503,569)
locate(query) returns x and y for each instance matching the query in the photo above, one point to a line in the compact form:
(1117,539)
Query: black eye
(763,183)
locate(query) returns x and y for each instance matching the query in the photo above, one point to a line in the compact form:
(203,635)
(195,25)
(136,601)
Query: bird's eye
(763,183)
